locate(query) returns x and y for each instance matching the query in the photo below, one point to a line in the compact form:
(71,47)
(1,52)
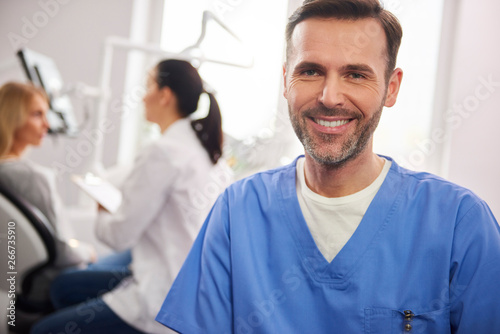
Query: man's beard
(350,148)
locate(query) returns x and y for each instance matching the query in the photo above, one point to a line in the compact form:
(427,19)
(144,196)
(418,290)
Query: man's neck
(349,178)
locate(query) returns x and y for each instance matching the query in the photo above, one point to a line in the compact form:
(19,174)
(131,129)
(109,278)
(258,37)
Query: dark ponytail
(185,82)
(209,130)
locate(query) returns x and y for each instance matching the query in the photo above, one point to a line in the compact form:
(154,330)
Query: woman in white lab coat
(166,198)
(23,124)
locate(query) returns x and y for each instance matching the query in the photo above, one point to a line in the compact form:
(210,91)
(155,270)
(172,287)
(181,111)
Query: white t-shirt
(332,221)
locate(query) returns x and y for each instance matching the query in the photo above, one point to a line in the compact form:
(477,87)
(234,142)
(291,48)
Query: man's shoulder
(433,188)
(422,178)
(265,181)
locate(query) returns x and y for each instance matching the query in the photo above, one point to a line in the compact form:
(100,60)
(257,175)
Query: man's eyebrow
(358,68)
(307,65)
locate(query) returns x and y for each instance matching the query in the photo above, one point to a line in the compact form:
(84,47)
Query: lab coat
(165,200)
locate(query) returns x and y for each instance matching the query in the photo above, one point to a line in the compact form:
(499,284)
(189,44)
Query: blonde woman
(23,123)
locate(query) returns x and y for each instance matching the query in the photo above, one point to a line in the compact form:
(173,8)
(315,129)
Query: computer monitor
(42,72)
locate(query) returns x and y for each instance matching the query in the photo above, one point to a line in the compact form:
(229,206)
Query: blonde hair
(14,103)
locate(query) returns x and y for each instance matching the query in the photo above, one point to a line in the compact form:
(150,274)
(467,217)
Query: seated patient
(173,184)
(23,123)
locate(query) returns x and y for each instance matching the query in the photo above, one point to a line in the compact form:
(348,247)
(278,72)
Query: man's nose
(332,95)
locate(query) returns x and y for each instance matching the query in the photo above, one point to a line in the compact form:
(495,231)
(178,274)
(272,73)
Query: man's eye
(356,75)
(310,72)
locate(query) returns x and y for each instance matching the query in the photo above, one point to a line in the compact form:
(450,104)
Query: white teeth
(331,124)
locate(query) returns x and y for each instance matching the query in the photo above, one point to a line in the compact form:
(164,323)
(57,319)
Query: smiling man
(342,240)
(336,85)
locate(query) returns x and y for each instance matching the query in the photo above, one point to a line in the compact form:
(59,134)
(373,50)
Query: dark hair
(351,10)
(185,82)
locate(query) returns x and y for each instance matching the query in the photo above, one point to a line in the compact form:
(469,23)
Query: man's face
(335,86)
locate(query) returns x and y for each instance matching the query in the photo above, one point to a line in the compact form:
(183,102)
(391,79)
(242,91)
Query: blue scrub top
(424,259)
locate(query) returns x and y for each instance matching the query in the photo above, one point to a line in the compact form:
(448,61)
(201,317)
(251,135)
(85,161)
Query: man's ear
(393,87)
(285,89)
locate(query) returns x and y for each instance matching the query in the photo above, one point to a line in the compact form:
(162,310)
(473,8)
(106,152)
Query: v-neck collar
(377,216)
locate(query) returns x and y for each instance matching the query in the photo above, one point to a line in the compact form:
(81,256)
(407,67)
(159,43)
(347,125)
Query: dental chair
(26,260)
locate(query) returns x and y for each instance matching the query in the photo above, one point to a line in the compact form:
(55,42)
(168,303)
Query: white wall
(474,156)
(71,32)
(74,31)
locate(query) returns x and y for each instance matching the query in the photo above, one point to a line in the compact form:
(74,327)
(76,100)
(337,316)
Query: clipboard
(103,192)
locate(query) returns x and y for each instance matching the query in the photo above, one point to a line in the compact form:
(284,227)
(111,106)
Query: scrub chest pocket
(387,321)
